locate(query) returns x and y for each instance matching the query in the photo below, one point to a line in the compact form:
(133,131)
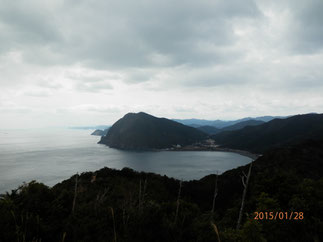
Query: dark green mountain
(124,205)
(223,123)
(242,124)
(275,133)
(143,131)
(209,129)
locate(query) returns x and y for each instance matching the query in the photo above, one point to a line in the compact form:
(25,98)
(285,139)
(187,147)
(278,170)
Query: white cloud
(88,62)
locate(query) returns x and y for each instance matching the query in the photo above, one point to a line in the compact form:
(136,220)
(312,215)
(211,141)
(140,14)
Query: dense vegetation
(211,130)
(242,124)
(143,131)
(221,123)
(112,205)
(273,134)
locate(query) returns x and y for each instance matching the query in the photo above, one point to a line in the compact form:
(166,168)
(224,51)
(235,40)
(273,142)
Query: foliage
(273,134)
(143,131)
(134,206)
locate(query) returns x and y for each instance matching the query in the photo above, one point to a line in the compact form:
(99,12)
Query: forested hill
(112,205)
(274,133)
(242,124)
(222,123)
(144,131)
(211,130)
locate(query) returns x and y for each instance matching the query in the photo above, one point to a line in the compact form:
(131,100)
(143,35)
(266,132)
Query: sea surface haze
(53,155)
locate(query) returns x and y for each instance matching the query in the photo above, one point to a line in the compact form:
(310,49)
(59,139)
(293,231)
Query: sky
(89,62)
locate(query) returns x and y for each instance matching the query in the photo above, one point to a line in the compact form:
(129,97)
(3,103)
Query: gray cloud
(90,108)
(37,93)
(108,34)
(94,87)
(15,110)
(307,26)
(95,81)
(252,57)
(49,84)
(25,26)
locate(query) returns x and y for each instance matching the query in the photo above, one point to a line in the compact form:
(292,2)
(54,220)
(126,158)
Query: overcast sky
(87,62)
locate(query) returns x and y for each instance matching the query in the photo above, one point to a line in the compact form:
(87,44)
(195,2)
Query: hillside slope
(144,131)
(209,129)
(138,206)
(273,134)
(242,124)
(220,124)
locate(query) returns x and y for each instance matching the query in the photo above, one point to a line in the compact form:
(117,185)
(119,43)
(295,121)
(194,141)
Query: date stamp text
(292,215)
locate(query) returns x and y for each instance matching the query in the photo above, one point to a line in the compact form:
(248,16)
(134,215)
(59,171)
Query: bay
(53,155)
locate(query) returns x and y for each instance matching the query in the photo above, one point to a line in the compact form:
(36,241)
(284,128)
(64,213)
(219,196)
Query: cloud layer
(82,62)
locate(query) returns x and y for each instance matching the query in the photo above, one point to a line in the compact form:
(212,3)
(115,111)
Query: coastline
(240,152)
(194,148)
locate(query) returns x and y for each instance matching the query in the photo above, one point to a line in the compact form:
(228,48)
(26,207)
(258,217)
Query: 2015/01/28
(279,215)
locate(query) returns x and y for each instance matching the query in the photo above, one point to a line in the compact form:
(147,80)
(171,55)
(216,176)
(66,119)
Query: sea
(53,155)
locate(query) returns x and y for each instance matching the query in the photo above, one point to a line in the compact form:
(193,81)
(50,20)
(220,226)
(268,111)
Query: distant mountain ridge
(222,123)
(143,131)
(273,134)
(102,127)
(211,130)
(242,124)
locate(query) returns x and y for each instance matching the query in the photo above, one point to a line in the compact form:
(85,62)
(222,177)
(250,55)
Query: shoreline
(192,148)
(240,152)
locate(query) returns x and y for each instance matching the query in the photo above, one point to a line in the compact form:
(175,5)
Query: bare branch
(178,197)
(139,196)
(75,194)
(215,193)
(244,174)
(245,181)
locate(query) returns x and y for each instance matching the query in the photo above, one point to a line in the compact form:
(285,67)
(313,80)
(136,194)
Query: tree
(245,180)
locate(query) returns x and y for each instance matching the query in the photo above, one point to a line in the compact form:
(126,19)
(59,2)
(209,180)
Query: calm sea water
(50,156)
